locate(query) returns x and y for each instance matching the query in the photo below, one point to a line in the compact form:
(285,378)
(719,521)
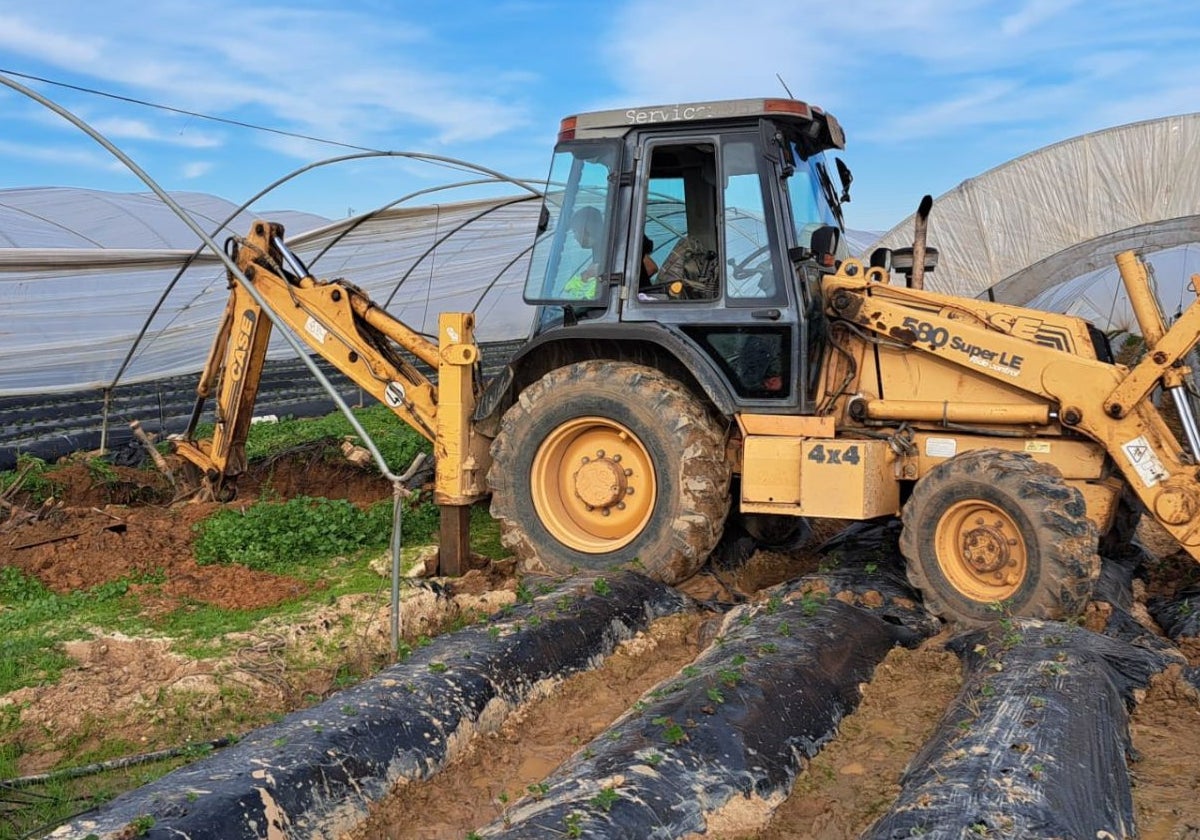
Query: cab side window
(750,267)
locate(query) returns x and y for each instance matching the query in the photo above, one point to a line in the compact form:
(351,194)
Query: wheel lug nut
(604,511)
(628,491)
(589,508)
(599,453)
(628,472)
(979,520)
(620,506)
(586,459)
(616,457)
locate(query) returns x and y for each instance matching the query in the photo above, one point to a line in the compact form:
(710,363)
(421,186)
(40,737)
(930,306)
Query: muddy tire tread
(697,517)
(1057,513)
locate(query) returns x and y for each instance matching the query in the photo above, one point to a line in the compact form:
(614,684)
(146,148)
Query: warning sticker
(1142,458)
(393,394)
(1041,447)
(941,447)
(315,329)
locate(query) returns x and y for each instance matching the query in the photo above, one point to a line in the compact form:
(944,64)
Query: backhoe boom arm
(341,324)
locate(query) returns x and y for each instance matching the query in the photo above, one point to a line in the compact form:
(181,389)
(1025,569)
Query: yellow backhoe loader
(705,350)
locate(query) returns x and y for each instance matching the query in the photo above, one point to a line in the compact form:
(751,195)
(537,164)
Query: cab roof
(822,127)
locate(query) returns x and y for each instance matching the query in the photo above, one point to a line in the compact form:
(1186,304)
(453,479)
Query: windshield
(812,197)
(571,252)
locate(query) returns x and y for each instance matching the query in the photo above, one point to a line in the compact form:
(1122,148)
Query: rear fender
(648,344)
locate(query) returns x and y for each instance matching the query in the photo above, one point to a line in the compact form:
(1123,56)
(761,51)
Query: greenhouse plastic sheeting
(73,311)
(1065,210)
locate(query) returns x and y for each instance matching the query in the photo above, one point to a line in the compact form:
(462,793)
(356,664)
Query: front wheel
(991,533)
(601,464)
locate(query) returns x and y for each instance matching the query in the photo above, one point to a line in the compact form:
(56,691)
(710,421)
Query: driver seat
(694,265)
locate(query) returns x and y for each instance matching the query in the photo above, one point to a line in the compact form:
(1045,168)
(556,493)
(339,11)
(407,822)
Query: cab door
(711,229)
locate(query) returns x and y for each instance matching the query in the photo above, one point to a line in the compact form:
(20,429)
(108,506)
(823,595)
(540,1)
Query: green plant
(601,587)
(278,536)
(572,824)
(673,734)
(729,676)
(32,477)
(101,471)
(714,694)
(654,759)
(140,825)
(812,602)
(605,798)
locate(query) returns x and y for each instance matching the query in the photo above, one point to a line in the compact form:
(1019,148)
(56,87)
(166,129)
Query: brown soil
(499,768)
(142,692)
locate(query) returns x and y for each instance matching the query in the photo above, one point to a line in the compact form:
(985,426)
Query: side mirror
(825,240)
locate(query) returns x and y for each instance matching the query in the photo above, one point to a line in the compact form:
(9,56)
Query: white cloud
(915,70)
(341,74)
(61,156)
(19,36)
(132,129)
(196,169)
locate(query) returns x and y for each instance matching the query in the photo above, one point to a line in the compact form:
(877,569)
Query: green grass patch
(398,443)
(276,537)
(34,620)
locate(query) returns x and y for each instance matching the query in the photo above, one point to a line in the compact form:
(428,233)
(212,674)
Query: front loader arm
(341,324)
(1106,402)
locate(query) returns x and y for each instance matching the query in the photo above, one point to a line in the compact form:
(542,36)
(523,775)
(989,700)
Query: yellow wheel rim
(980,551)
(593,485)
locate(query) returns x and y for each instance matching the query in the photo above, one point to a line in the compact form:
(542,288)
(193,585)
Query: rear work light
(566,129)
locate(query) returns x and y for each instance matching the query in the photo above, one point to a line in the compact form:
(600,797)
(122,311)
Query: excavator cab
(685,230)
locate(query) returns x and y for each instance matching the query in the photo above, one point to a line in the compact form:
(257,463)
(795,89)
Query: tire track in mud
(853,781)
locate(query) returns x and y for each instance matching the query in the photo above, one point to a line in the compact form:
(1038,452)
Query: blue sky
(931,92)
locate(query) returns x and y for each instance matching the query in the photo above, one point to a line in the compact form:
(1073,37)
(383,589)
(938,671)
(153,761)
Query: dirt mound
(117,522)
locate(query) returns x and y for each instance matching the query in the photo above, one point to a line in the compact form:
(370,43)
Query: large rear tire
(601,464)
(991,533)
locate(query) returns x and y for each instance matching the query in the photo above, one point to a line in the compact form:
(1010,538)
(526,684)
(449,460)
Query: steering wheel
(742,269)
